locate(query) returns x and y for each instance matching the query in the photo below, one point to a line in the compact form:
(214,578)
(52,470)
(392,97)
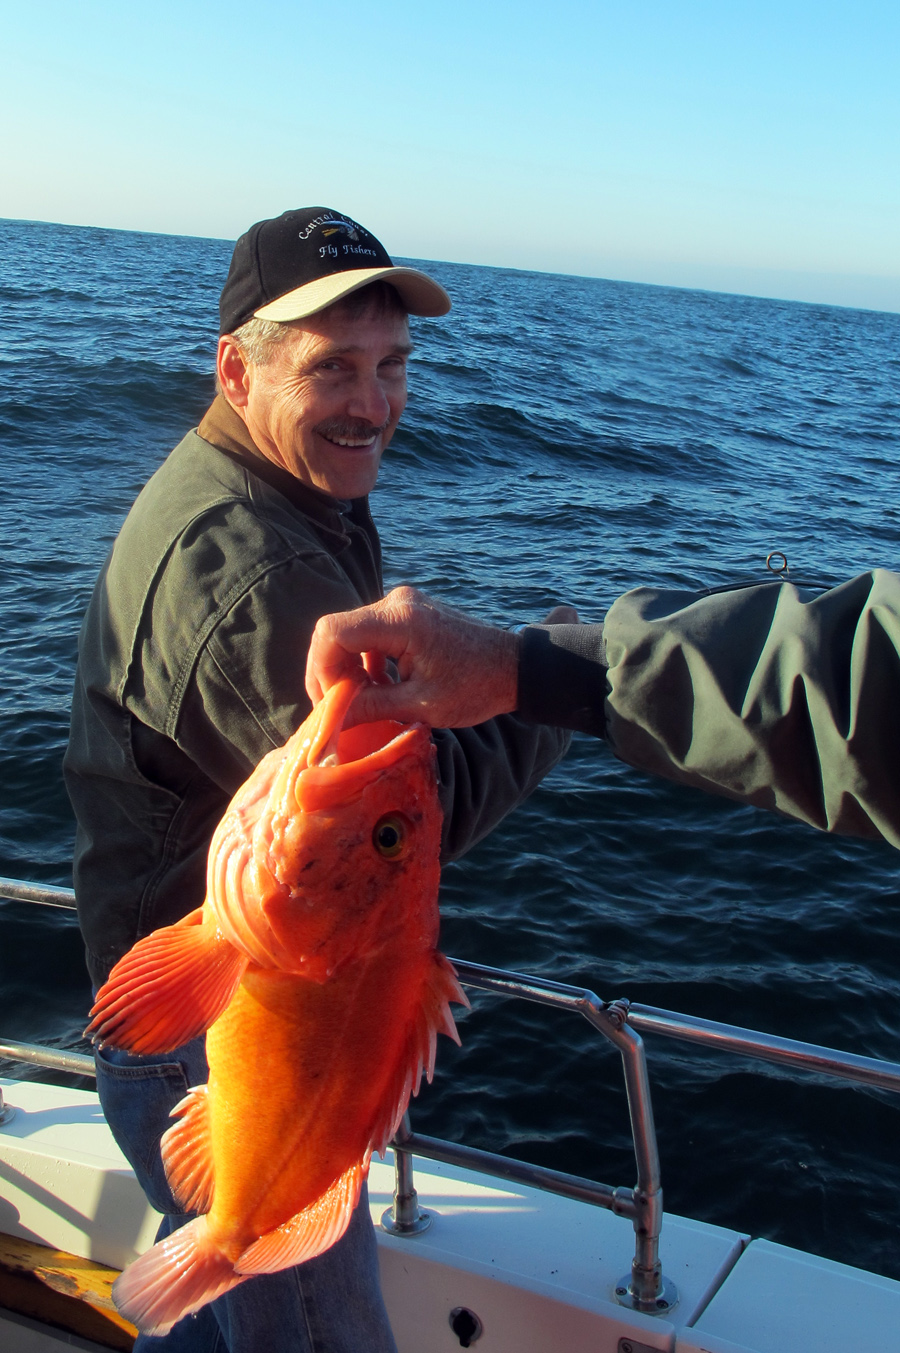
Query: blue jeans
(331,1304)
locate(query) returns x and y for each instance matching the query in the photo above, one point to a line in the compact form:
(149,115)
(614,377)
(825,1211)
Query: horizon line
(846,277)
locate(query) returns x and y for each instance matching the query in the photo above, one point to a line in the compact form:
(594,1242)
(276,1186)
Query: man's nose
(369,400)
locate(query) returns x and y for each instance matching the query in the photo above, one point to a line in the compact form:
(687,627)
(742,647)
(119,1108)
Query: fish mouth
(340,763)
(329,716)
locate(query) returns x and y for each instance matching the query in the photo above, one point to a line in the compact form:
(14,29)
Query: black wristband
(562,677)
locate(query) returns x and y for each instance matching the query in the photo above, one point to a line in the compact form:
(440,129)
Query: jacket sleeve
(487,771)
(246,693)
(779,700)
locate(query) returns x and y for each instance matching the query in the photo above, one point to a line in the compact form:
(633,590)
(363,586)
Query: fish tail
(177,1276)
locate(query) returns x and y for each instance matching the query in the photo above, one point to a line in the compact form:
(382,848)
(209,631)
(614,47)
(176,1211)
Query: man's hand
(454,671)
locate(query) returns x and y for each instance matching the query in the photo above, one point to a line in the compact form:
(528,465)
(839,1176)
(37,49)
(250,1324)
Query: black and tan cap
(305,260)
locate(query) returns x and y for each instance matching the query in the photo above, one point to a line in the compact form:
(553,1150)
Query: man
(785,701)
(191,665)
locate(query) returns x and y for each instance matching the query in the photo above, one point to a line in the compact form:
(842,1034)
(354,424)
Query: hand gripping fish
(312,965)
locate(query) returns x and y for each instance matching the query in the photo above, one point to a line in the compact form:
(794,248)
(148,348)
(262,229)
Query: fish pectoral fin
(310,1232)
(187,1152)
(433,1018)
(169,988)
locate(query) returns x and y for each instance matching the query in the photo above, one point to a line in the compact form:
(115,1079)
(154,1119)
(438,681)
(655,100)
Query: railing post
(404,1217)
(644,1289)
(6,1111)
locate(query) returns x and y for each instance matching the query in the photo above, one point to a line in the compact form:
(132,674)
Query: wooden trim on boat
(62,1290)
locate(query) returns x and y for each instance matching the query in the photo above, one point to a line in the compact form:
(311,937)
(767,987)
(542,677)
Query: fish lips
(364,754)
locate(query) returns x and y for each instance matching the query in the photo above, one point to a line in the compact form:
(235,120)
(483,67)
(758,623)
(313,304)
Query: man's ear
(231,370)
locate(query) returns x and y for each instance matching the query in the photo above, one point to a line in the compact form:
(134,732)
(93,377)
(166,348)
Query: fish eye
(389,836)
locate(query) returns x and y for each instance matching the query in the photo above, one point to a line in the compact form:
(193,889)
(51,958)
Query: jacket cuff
(562,677)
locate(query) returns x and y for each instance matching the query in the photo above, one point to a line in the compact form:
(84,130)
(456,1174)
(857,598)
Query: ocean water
(566,438)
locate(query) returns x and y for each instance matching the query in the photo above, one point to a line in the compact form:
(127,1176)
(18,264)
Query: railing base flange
(662,1304)
(415,1227)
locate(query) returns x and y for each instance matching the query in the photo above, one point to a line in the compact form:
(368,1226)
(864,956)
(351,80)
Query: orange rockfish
(312,964)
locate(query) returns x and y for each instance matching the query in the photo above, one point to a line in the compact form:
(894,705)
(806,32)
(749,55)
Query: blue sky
(748,147)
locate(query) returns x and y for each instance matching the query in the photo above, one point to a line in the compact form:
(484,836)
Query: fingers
(454,671)
(385,629)
(338,645)
(373,703)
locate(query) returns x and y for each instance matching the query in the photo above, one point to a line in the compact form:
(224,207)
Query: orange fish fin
(310,1232)
(177,1276)
(169,988)
(434,1017)
(187,1152)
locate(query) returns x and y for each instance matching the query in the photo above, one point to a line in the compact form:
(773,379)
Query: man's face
(327,402)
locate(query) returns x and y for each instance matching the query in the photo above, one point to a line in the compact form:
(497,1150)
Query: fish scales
(341,1040)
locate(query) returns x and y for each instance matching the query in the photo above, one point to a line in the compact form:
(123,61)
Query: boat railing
(621,1022)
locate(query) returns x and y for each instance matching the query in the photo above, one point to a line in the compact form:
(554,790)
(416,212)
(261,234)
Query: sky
(749,147)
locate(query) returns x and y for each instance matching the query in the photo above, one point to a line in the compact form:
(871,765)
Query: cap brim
(418,292)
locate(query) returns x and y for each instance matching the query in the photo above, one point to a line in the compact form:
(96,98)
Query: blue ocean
(567,438)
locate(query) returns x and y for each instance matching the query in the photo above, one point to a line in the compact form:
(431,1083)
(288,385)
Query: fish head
(337,852)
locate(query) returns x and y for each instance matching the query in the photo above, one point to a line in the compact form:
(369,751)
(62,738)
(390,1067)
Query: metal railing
(42,894)
(645,1288)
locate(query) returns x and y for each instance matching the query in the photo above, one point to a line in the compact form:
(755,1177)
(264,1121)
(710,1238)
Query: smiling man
(191,666)
(324,398)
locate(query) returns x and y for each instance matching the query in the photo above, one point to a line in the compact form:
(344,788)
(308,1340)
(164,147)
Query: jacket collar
(224,428)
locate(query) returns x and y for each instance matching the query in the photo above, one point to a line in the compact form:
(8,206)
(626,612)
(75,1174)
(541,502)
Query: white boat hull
(539,1271)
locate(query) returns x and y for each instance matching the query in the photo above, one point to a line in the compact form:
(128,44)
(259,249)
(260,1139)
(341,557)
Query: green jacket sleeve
(782,700)
(486,771)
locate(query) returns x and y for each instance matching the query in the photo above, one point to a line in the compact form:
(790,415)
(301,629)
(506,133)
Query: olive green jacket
(191,667)
(782,699)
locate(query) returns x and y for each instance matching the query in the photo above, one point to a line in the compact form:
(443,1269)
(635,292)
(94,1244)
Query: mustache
(351,429)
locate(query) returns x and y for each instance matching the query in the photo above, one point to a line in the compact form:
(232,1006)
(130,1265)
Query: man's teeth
(350,441)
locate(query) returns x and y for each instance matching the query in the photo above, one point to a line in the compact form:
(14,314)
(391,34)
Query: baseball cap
(304,260)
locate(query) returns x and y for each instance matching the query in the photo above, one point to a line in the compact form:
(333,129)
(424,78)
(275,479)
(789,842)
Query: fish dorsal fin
(169,988)
(187,1152)
(433,1017)
(312,1231)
